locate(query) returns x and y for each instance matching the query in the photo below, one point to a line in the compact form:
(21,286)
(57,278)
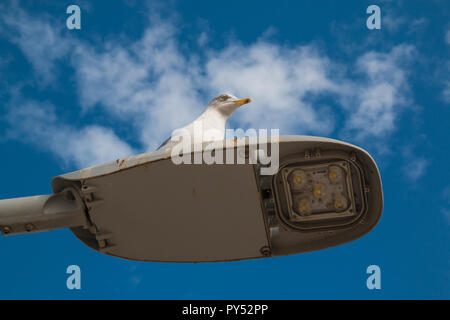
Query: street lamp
(146,207)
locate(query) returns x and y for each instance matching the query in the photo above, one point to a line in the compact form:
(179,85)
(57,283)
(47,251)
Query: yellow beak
(241,102)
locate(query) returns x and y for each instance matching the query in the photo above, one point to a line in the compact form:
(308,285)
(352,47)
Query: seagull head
(226,103)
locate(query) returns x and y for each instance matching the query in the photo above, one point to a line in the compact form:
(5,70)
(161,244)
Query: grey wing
(164,143)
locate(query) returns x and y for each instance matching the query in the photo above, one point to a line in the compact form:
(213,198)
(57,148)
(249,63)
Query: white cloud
(446,214)
(148,83)
(446,194)
(151,84)
(278,80)
(446,197)
(136,280)
(160,89)
(378,100)
(37,123)
(446,92)
(392,22)
(415,168)
(395,21)
(40,42)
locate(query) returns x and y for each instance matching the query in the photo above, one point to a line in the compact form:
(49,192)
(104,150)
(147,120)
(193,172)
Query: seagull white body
(211,124)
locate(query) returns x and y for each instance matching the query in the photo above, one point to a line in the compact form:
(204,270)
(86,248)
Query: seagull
(213,119)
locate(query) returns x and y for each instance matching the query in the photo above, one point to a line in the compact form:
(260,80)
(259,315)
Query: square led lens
(317,192)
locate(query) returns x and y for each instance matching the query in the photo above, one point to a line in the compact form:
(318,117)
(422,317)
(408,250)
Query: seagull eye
(223,98)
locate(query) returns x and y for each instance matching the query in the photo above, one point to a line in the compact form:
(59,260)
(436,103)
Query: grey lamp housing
(145,207)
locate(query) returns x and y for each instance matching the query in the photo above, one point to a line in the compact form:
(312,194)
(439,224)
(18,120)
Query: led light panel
(319,192)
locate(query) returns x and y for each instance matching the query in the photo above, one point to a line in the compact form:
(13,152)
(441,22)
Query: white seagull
(212,120)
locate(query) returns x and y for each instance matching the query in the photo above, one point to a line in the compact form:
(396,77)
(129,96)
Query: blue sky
(73,98)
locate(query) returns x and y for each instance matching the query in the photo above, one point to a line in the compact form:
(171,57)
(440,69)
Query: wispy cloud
(446,194)
(376,102)
(395,22)
(41,42)
(37,122)
(136,280)
(446,91)
(157,88)
(148,82)
(415,165)
(415,169)
(278,79)
(446,210)
(395,19)
(151,82)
